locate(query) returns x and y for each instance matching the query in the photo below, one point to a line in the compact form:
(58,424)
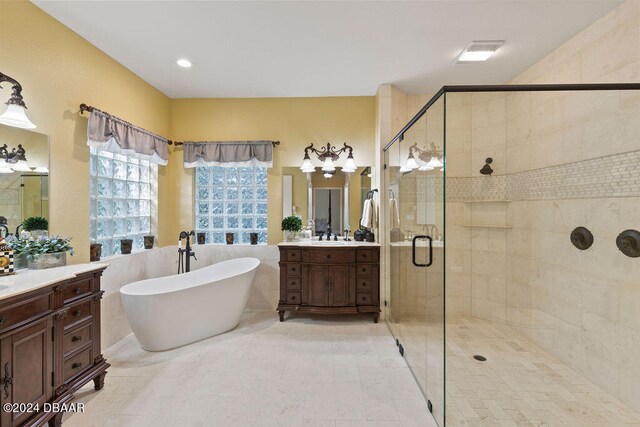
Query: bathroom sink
(330,243)
(3,287)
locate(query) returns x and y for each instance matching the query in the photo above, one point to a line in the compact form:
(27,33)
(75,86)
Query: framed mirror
(311,193)
(24,177)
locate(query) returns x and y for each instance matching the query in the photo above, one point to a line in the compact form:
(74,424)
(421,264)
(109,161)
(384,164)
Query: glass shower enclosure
(514,291)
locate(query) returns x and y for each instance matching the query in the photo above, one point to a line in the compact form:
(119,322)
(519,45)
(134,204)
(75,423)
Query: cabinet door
(26,369)
(318,284)
(339,283)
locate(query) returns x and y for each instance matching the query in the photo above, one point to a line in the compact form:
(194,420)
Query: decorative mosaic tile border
(605,177)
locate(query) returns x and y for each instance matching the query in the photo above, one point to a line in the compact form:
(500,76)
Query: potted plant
(36,225)
(19,247)
(291,225)
(44,252)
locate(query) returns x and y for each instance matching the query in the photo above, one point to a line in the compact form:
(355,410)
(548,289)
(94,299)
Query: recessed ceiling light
(184,63)
(479,50)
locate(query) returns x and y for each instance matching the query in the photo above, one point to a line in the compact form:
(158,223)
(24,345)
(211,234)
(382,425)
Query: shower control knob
(581,238)
(629,243)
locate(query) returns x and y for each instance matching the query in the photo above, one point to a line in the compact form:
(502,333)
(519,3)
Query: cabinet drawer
(20,312)
(363,298)
(78,313)
(293,283)
(293,297)
(292,269)
(77,364)
(76,290)
(329,256)
(364,285)
(364,255)
(77,338)
(290,255)
(364,270)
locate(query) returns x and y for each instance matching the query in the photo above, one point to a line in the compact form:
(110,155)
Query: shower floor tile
(520,383)
(307,371)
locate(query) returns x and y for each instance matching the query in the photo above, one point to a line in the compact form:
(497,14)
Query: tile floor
(306,371)
(520,384)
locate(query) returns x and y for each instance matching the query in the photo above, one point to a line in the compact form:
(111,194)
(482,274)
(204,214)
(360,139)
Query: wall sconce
(15,160)
(328,155)
(430,159)
(15,114)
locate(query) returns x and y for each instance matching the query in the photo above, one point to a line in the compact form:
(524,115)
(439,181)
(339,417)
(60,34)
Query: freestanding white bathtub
(172,311)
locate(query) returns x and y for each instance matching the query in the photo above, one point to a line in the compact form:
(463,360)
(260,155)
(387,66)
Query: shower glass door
(416,246)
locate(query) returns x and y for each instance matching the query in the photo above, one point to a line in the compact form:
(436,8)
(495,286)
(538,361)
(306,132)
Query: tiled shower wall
(561,160)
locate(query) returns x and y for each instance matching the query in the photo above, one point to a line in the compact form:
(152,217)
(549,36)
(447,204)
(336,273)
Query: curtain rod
(84,107)
(274,143)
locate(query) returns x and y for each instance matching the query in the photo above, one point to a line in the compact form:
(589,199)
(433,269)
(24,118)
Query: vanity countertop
(331,244)
(27,280)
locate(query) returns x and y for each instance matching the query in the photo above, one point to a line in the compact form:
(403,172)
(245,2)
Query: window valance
(228,153)
(109,133)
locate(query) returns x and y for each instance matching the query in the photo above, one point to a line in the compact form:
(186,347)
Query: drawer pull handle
(293,283)
(3,320)
(76,365)
(328,256)
(293,298)
(364,298)
(364,284)
(364,269)
(76,338)
(77,291)
(77,313)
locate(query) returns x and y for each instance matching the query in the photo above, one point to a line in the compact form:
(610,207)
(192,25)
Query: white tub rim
(142,288)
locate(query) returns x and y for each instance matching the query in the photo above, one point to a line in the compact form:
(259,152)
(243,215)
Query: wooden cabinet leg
(56,421)
(375,317)
(281,314)
(98,382)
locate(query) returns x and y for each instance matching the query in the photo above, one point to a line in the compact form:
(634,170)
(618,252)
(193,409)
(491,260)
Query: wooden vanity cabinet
(49,347)
(329,280)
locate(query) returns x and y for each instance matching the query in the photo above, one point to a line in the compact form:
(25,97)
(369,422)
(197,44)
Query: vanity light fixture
(184,63)
(14,160)
(479,51)
(15,114)
(328,155)
(431,159)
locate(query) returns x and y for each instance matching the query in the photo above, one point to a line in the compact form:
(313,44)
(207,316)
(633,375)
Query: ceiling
(319,48)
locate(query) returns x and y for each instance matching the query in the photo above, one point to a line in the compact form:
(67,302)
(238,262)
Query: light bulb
(434,163)
(307,166)
(412,164)
(328,165)
(349,165)
(16,116)
(21,166)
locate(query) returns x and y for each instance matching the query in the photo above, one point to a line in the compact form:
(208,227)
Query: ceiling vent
(478,51)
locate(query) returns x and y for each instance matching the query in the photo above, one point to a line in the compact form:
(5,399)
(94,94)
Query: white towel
(365,221)
(395,215)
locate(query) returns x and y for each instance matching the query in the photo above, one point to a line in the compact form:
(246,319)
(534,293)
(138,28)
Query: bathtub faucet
(186,252)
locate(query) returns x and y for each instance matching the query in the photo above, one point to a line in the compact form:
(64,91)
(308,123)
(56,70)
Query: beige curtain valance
(228,153)
(109,133)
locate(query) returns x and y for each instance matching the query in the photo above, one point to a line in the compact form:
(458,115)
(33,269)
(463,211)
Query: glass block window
(122,195)
(231,200)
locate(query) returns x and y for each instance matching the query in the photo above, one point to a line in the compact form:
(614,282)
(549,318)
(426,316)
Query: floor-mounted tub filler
(172,311)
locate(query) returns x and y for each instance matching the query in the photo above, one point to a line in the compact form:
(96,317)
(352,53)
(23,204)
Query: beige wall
(295,122)
(59,70)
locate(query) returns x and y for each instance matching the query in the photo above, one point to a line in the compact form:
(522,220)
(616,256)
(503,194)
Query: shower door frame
(478,89)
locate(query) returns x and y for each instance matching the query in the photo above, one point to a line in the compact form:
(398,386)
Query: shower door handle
(413,251)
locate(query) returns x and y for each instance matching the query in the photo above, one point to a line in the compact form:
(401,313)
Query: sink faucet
(328,232)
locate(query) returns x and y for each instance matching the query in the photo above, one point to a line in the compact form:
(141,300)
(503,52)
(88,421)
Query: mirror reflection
(334,201)
(24,177)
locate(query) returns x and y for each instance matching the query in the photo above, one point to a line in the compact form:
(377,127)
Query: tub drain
(480,358)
